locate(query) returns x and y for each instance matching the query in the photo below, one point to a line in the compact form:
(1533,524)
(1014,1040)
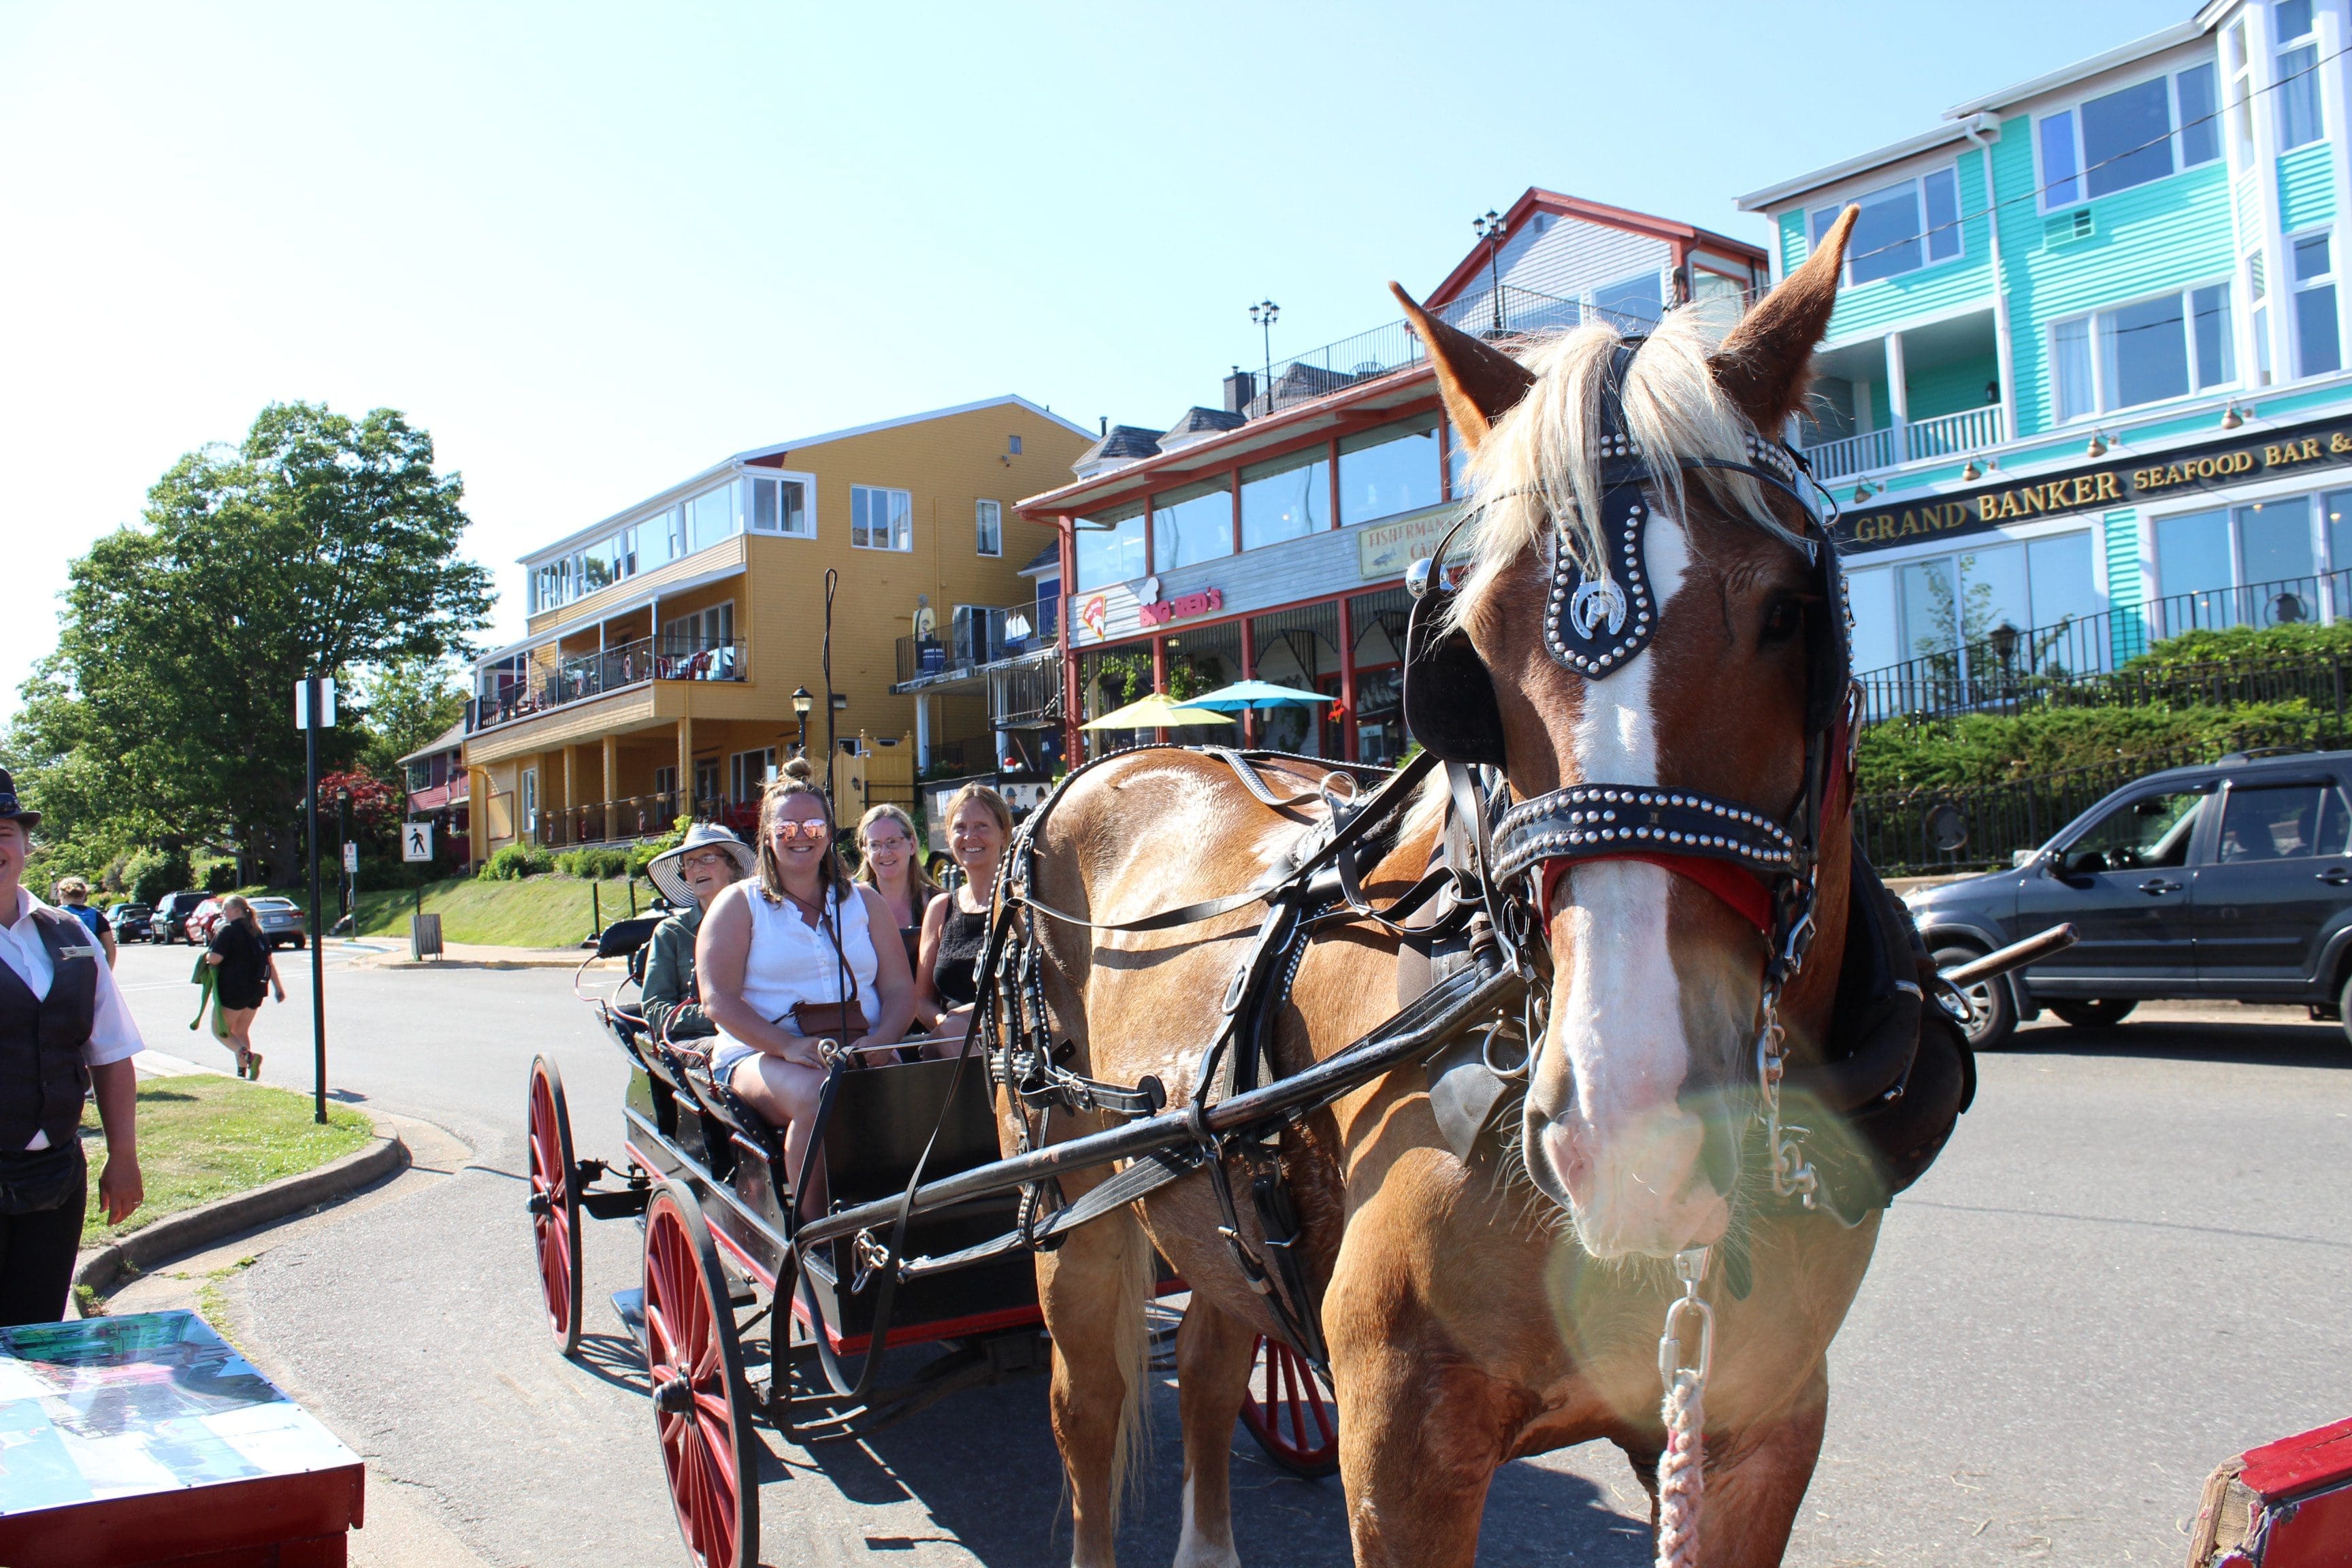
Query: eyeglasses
(714,858)
(814,830)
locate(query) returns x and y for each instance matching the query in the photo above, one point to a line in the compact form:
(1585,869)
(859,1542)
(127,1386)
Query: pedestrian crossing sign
(416,841)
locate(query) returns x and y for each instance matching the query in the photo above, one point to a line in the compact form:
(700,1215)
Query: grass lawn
(553,910)
(203,1136)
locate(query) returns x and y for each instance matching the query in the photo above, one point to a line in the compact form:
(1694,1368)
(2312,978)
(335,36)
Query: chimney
(1241,387)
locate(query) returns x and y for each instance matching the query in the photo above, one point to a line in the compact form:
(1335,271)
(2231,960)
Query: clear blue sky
(596,248)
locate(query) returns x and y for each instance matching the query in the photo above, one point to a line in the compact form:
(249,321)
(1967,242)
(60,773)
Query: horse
(1481,1308)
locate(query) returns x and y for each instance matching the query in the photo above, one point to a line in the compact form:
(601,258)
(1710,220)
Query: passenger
(789,963)
(955,928)
(886,848)
(689,877)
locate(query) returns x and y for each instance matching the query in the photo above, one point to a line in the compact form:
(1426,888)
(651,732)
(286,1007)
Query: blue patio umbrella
(1244,694)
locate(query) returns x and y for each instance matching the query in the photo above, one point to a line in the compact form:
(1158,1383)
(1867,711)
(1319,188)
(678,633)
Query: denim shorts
(724,1059)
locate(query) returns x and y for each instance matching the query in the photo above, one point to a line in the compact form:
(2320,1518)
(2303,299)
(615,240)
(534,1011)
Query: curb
(195,1229)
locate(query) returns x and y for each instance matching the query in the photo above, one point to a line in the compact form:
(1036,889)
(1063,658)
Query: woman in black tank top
(955,928)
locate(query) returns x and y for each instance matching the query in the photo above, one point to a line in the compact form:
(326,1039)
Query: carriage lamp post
(1490,228)
(802,703)
(1263,314)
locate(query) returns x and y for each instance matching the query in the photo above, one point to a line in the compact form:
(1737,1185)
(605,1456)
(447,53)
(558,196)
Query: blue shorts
(723,1060)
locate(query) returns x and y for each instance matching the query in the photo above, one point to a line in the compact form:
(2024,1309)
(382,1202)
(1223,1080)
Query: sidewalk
(471,955)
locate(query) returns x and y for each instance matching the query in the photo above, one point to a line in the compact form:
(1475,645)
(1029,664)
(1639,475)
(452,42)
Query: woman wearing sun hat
(689,877)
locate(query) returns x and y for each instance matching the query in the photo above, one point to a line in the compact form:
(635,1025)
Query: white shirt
(113,1036)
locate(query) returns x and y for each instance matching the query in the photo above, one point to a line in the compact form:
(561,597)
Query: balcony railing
(973,640)
(2009,669)
(638,817)
(1908,441)
(614,669)
(1028,694)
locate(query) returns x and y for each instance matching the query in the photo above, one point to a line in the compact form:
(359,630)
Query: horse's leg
(1755,1481)
(1213,1354)
(1093,1288)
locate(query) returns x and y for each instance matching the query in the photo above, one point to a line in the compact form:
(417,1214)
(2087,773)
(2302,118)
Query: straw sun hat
(666,874)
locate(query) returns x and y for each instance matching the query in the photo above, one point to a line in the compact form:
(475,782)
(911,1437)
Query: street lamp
(802,703)
(1263,314)
(1490,228)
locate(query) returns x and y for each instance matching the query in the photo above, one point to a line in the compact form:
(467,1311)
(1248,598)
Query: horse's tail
(1135,1282)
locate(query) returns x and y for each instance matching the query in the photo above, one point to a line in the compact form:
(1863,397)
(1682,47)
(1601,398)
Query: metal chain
(1682,1465)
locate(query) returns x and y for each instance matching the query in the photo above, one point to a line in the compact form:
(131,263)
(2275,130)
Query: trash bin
(423,936)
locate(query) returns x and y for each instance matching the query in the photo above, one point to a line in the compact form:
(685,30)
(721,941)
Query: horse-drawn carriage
(737,1326)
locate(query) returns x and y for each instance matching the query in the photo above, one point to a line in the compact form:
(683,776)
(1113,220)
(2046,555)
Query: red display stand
(2287,1504)
(148,1440)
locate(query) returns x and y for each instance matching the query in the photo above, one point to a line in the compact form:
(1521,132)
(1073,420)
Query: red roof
(1539,200)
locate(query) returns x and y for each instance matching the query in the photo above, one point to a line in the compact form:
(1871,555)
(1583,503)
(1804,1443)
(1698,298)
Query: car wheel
(2105,1013)
(1992,1018)
(2343,1007)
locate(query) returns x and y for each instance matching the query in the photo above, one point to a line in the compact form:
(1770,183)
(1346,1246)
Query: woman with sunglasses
(689,877)
(790,966)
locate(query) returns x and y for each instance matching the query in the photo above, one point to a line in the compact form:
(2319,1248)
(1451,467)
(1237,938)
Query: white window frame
(527,786)
(2050,202)
(2297,287)
(2099,409)
(747,510)
(987,518)
(737,772)
(1919,183)
(903,540)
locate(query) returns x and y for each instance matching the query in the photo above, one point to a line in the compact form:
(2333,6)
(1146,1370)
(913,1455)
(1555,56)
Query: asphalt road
(2132,1263)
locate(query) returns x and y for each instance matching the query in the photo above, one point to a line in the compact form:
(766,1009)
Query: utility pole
(315,709)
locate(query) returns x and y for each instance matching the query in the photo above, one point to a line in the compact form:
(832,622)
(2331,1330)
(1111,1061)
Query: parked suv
(169,923)
(130,921)
(2231,881)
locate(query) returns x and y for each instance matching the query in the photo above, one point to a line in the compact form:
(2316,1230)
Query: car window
(2282,822)
(2152,830)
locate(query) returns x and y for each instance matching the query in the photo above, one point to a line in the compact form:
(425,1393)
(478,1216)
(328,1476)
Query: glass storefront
(1376,623)
(1299,648)
(1926,607)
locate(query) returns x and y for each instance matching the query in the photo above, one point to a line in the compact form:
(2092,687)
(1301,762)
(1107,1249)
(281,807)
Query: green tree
(407,703)
(322,544)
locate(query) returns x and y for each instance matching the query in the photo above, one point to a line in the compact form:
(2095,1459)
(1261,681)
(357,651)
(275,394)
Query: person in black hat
(63,1030)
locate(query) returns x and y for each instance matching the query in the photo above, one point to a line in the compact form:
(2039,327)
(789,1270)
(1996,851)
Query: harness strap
(1748,897)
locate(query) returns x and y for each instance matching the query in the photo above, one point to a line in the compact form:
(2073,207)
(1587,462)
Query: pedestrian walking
(64,1031)
(73,893)
(244,971)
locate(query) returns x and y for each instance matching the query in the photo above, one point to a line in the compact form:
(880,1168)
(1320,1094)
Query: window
(988,527)
(2317,347)
(2266,553)
(710,517)
(781,506)
(1195,524)
(2153,831)
(529,802)
(697,632)
(2127,138)
(658,542)
(881,519)
(1013,445)
(2282,822)
(1288,498)
(666,781)
(420,776)
(748,773)
(1633,305)
(1110,549)
(2296,79)
(2242,90)
(1889,238)
(1390,471)
(2143,352)
(1049,609)
(1921,609)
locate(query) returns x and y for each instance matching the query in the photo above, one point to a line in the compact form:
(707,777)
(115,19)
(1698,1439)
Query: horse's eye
(1784,618)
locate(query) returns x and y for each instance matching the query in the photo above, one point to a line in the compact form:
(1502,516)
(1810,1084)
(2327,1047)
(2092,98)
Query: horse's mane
(1540,462)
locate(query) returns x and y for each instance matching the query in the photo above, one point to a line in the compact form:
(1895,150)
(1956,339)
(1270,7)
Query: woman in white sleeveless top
(799,934)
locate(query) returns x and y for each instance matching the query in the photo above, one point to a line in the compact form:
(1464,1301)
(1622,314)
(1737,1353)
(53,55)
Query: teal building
(2085,386)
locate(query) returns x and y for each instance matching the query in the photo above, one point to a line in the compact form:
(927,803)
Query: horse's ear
(1479,381)
(1764,364)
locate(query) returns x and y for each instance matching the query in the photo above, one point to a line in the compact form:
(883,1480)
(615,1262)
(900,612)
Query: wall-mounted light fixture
(1863,492)
(2231,417)
(2098,447)
(1972,471)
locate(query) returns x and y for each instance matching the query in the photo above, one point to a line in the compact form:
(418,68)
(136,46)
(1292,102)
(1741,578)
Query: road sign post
(417,843)
(314,709)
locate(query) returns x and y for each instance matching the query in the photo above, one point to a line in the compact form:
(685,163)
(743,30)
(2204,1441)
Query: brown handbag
(842,1021)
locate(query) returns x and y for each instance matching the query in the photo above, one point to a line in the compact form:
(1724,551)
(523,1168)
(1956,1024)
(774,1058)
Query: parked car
(130,921)
(169,923)
(2229,881)
(283,924)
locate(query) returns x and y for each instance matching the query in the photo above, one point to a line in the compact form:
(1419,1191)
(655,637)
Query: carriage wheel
(555,1202)
(702,1401)
(1289,1413)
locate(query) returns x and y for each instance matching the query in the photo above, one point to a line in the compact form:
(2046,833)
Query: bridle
(1598,616)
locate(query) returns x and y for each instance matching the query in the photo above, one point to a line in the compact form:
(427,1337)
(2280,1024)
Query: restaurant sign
(1388,549)
(2140,478)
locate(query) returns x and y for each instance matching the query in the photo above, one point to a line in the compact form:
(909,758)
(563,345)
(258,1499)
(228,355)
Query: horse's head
(1643,1079)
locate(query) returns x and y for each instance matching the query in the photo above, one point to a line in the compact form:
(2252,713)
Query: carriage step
(630,1306)
(617,1203)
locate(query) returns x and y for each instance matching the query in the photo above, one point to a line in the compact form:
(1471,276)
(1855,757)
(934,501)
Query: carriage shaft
(1445,1010)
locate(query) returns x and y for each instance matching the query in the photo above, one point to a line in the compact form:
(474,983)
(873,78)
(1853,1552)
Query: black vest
(42,1079)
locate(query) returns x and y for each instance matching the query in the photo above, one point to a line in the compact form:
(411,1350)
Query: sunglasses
(814,830)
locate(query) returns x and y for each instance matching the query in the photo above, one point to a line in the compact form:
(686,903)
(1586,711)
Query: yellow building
(666,642)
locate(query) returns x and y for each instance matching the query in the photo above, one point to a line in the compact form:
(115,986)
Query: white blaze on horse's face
(1606,1135)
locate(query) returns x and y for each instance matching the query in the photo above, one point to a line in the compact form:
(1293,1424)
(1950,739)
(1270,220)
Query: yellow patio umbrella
(1155,712)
